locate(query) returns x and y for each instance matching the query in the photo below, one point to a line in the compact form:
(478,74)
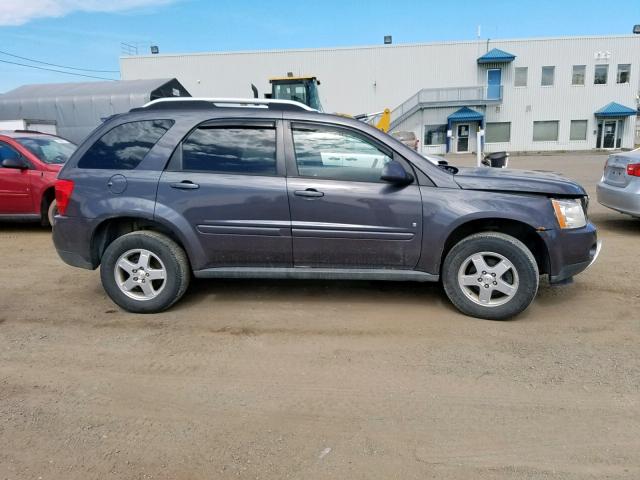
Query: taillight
(633,169)
(64,188)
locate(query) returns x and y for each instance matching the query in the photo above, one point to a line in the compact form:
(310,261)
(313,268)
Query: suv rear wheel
(144,272)
(490,275)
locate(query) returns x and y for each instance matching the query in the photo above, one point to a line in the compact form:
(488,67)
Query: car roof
(25,133)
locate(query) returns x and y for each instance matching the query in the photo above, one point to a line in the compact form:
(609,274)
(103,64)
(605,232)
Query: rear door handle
(185,185)
(309,192)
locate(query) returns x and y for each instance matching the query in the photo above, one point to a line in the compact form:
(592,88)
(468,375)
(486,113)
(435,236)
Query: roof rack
(202,102)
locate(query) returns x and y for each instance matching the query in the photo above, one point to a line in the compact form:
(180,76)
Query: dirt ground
(306,380)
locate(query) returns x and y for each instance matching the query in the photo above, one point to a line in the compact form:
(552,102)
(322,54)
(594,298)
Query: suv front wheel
(490,275)
(144,272)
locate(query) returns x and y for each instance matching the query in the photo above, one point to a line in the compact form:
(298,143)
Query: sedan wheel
(51,212)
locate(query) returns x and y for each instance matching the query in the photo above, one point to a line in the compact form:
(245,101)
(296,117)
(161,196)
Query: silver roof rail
(235,102)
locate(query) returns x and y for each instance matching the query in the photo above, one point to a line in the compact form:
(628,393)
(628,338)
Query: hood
(507,180)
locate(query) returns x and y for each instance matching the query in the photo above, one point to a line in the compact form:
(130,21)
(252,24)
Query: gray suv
(269,189)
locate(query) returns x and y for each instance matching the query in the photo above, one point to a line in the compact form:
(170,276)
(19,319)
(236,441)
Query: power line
(56,65)
(57,71)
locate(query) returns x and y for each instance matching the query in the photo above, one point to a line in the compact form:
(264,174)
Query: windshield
(52,150)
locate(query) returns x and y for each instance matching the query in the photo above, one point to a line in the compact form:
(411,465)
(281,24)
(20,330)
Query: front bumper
(623,199)
(570,251)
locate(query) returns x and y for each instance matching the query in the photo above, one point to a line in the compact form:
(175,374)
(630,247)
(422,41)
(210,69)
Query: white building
(572,93)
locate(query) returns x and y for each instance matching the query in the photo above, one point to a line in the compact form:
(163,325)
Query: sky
(87,34)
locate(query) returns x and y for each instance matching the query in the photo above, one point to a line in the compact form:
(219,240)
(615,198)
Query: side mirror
(15,162)
(395,173)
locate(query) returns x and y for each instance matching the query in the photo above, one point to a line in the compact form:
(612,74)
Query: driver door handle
(309,192)
(185,185)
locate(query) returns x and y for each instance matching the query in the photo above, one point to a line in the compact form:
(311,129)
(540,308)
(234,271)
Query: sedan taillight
(633,169)
(64,189)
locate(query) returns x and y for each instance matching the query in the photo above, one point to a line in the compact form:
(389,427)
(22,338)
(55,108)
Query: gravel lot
(265,379)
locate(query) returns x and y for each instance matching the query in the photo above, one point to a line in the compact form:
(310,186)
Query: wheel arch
(515,228)
(111,228)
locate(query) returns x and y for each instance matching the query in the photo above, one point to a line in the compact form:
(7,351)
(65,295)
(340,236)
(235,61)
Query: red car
(29,165)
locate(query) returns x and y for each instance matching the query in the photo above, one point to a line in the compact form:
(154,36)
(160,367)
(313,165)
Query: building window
(578,130)
(546,131)
(497,132)
(577,77)
(520,79)
(624,72)
(435,134)
(601,73)
(547,76)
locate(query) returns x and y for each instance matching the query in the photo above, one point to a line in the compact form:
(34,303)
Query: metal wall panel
(368,79)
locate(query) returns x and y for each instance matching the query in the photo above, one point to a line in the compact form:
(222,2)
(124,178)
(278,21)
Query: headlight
(569,212)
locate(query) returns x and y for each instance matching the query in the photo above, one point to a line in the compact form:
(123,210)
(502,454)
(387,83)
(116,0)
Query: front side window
(547,76)
(520,79)
(577,77)
(601,74)
(7,153)
(546,131)
(435,134)
(498,132)
(578,130)
(236,150)
(50,150)
(124,147)
(624,72)
(337,154)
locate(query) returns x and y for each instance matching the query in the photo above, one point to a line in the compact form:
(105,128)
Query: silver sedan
(619,187)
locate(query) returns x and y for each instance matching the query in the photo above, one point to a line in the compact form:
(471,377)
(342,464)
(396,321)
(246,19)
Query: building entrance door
(463,138)
(607,134)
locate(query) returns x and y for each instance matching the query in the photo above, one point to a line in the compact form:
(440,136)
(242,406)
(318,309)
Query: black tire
(173,258)
(525,276)
(52,209)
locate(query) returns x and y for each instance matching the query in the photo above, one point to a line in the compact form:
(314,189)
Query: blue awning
(614,109)
(496,56)
(465,114)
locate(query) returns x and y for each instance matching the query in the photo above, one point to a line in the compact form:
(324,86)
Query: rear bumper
(571,251)
(623,199)
(72,239)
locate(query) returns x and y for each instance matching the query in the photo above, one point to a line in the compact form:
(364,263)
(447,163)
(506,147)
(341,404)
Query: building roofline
(487,41)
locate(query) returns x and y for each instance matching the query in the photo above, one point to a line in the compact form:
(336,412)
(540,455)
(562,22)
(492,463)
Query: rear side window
(237,150)
(124,147)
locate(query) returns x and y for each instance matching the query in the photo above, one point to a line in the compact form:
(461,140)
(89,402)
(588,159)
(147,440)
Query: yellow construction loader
(304,89)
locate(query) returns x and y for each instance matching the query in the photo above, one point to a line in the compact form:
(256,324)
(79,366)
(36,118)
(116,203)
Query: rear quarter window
(125,146)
